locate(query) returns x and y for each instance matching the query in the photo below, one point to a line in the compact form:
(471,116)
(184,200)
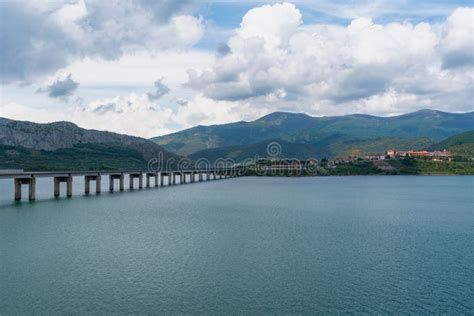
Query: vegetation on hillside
(408,166)
(305,151)
(318,132)
(461,145)
(80,157)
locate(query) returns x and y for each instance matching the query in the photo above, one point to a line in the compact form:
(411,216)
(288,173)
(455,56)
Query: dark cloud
(107,108)
(36,41)
(161,90)
(163,10)
(182,102)
(31,45)
(458,59)
(61,88)
(223,49)
(363,82)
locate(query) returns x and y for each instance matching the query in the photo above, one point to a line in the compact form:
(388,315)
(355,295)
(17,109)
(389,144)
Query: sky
(153,67)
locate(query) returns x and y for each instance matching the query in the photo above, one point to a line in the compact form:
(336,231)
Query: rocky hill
(27,145)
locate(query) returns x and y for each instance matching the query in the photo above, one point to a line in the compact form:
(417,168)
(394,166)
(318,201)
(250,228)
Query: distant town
(391,162)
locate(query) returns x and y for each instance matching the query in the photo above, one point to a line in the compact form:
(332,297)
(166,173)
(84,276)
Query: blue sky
(149,68)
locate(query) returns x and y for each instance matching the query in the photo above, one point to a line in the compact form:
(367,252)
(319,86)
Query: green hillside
(80,157)
(324,149)
(259,150)
(318,131)
(358,148)
(460,145)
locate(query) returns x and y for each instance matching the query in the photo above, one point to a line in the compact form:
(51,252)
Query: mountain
(460,145)
(305,151)
(320,132)
(240,153)
(64,145)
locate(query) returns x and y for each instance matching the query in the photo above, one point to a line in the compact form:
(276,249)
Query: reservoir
(373,244)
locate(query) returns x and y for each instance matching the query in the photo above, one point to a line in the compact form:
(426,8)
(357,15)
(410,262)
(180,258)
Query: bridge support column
(32,189)
(69,186)
(151,175)
(57,185)
(156,179)
(121,178)
(31,182)
(193,175)
(140,180)
(87,183)
(182,178)
(98,184)
(17,189)
(111,183)
(173,178)
(162,179)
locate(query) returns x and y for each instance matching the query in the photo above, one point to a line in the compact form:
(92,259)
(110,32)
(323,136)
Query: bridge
(29,178)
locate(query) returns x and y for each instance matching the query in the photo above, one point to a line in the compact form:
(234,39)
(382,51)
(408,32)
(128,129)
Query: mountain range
(301,135)
(64,145)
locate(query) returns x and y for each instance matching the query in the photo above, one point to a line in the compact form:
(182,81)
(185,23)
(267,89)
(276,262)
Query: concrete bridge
(29,178)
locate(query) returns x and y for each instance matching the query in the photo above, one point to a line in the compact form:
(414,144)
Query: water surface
(244,245)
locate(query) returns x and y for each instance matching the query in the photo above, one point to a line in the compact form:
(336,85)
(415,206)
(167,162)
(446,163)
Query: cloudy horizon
(148,68)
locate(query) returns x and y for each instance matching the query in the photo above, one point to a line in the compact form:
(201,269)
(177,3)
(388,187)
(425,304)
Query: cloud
(131,114)
(32,45)
(182,101)
(44,36)
(61,88)
(274,61)
(458,43)
(223,49)
(106,108)
(160,90)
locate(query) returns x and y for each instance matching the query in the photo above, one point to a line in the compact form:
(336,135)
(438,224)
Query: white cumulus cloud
(276,62)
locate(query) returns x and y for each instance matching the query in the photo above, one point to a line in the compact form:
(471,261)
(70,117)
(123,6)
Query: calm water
(244,245)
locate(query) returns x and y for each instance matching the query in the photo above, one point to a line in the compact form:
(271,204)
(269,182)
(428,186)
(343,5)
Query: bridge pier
(119,176)
(151,175)
(31,181)
(191,176)
(162,179)
(57,185)
(140,180)
(29,178)
(87,183)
